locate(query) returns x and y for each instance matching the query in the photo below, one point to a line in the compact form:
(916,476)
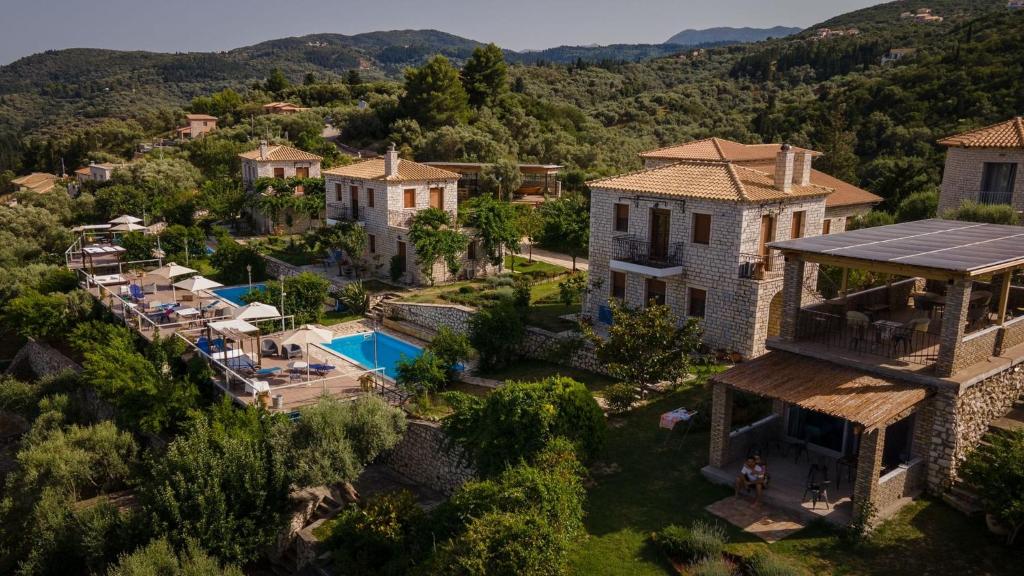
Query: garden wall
(565,348)
(36,360)
(424,457)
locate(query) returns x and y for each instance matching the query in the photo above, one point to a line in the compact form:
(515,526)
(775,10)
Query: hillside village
(745,310)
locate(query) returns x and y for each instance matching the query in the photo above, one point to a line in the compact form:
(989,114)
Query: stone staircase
(961,495)
(379,305)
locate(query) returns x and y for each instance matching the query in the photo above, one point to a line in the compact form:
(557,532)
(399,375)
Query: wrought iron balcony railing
(633,249)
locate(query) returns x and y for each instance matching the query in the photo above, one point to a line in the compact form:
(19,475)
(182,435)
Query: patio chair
(858,323)
(136,292)
(149,288)
(291,351)
(904,337)
(268,347)
(976,314)
(817,486)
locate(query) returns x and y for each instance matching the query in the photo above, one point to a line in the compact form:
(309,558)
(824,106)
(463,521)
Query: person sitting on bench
(751,475)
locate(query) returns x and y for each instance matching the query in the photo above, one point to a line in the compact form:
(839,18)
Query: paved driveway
(554,258)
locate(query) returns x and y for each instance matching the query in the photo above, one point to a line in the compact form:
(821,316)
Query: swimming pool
(234,294)
(359,348)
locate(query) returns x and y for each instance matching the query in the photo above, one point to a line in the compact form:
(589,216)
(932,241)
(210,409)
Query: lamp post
(248,270)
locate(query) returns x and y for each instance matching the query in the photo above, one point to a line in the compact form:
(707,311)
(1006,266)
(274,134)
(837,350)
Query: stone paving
(766,522)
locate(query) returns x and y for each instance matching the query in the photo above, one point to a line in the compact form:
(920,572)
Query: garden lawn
(532,370)
(653,488)
(334,317)
(535,268)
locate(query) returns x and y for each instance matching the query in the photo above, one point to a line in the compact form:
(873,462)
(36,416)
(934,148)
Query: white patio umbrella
(129,227)
(304,336)
(169,271)
(197,284)
(125,219)
(256,311)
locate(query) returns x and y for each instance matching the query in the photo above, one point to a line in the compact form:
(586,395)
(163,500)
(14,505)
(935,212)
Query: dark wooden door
(660,223)
(354,197)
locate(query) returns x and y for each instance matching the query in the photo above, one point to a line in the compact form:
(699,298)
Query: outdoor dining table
(109,280)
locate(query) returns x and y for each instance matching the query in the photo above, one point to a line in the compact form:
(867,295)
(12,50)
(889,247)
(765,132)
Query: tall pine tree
(434,95)
(485,76)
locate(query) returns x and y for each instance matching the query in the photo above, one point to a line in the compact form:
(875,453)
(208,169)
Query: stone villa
(693,231)
(383,194)
(985,165)
(278,161)
(884,391)
(197,126)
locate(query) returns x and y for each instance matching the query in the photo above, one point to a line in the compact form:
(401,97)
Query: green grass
(546,310)
(530,370)
(538,268)
(332,317)
(653,488)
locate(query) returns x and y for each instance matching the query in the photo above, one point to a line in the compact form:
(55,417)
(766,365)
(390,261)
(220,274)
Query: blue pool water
(390,350)
(234,294)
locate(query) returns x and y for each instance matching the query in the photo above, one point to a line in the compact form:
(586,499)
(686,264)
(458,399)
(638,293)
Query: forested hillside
(877,125)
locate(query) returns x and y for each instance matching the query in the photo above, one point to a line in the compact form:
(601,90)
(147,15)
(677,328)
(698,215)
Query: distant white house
(897,54)
(1015,4)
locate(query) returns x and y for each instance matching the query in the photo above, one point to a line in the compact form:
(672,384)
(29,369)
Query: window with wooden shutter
(621,223)
(338,194)
(278,172)
(697,302)
(701,228)
(369,197)
(618,285)
(798,224)
(826,226)
(437,198)
(409,198)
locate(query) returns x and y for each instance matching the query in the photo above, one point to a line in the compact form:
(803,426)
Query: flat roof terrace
(949,304)
(944,248)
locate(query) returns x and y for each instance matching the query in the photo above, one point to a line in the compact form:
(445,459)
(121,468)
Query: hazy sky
(29,26)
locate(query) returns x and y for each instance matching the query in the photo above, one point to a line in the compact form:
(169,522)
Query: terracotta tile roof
(845,194)
(200,117)
(280,153)
(711,179)
(824,387)
(36,181)
(718,149)
(1008,134)
(408,170)
(84,171)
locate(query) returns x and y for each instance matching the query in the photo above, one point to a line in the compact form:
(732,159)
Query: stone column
(869,467)
(721,424)
(954,319)
(792,297)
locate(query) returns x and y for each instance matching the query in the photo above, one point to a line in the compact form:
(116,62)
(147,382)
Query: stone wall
(962,418)
(962,178)
(906,481)
(424,457)
(36,360)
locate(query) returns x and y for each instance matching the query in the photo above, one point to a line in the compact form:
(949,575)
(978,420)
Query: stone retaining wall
(424,457)
(39,360)
(905,481)
(961,419)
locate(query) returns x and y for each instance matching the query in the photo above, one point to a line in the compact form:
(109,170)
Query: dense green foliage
(646,345)
(435,237)
(989,213)
(496,332)
(997,472)
(305,295)
(158,557)
(520,418)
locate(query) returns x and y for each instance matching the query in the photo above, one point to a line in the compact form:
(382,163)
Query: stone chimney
(391,161)
(784,168)
(802,168)
(263,149)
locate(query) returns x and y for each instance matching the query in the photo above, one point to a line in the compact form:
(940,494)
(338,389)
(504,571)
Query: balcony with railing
(339,212)
(995,197)
(657,259)
(768,266)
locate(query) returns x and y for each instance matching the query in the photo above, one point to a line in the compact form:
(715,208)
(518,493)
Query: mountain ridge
(720,34)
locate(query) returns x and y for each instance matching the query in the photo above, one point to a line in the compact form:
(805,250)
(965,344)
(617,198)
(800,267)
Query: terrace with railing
(338,212)
(951,297)
(995,197)
(768,266)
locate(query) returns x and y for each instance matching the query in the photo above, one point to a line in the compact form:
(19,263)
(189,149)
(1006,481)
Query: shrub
(397,268)
(713,567)
(918,206)
(571,289)
(870,220)
(355,297)
(768,564)
(231,259)
(698,542)
(500,280)
(517,421)
(158,557)
(521,291)
(997,471)
(451,347)
(504,543)
(422,375)
(989,213)
(506,294)
(387,535)
(620,396)
(495,333)
(333,440)
(305,294)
